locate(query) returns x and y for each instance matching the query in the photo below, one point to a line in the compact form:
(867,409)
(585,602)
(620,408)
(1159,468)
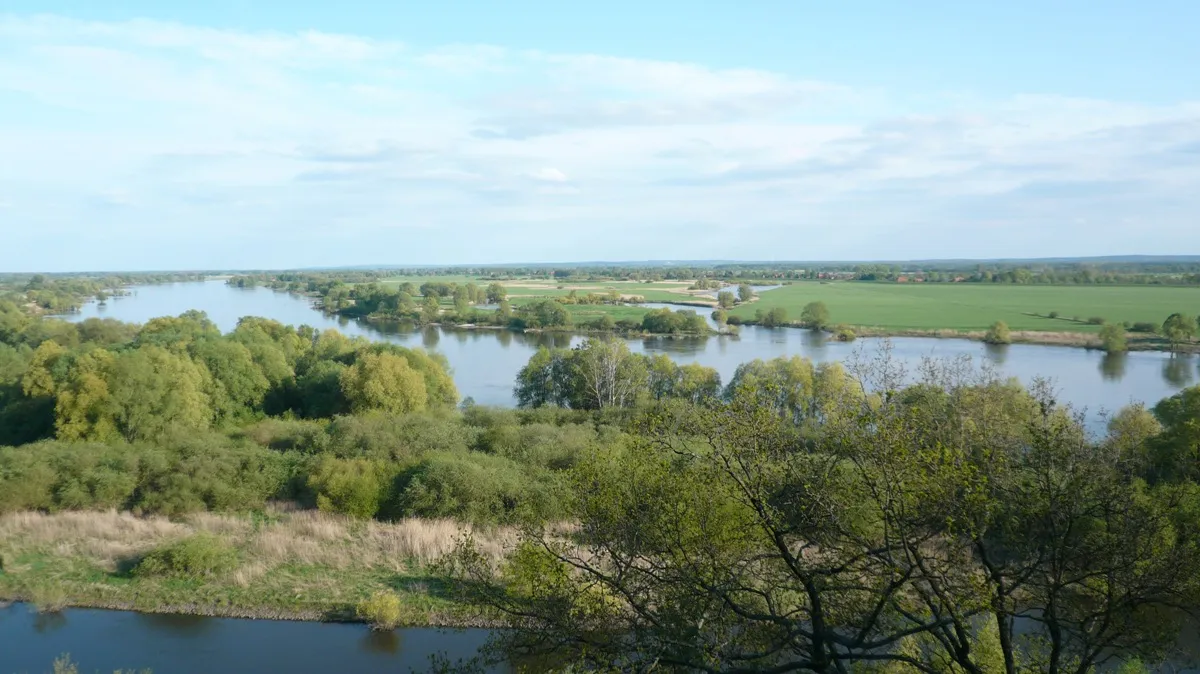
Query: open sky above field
(228,134)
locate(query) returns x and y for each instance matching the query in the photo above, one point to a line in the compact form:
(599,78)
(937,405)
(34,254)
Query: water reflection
(1112,366)
(1177,369)
(430,337)
(996,353)
(45,622)
(176,624)
(377,641)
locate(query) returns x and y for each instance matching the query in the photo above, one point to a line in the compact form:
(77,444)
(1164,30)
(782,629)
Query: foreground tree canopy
(807,521)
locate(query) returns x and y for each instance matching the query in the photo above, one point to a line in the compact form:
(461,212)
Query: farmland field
(971,307)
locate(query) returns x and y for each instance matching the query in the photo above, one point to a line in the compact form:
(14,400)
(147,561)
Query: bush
(1053,314)
(1112,338)
(381,610)
(1149,328)
(479,488)
(354,487)
(198,556)
(1095,320)
(998,334)
(844,334)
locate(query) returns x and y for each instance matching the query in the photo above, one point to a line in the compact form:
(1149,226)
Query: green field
(969,307)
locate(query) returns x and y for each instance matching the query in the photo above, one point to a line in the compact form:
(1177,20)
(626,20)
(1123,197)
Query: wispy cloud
(181,137)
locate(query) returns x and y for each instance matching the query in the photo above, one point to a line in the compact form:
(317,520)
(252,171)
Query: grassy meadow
(973,307)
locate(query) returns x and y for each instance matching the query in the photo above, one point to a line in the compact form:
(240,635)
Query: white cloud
(276,139)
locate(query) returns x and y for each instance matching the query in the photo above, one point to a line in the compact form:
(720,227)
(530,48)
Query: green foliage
(381,610)
(726,299)
(771,318)
(1176,451)
(383,381)
(667,322)
(998,334)
(479,488)
(815,315)
(353,487)
(1112,338)
(198,556)
(1178,329)
(745,292)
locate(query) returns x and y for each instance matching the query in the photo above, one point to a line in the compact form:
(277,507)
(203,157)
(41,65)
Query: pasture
(972,307)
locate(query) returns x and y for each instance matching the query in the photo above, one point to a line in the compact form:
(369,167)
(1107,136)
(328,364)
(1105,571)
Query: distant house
(901,279)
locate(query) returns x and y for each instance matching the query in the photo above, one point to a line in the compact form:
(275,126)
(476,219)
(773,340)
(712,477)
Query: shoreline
(344,616)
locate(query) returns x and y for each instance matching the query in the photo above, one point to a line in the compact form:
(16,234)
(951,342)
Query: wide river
(485,362)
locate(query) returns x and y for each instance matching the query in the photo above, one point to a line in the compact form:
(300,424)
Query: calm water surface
(105,641)
(485,362)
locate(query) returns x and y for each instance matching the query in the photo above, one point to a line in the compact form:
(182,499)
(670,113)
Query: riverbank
(301,565)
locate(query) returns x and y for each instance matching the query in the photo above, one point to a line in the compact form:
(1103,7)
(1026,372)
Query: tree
(605,374)
(496,293)
(772,318)
(1175,453)
(1112,338)
(540,382)
(1178,329)
(998,334)
(153,391)
(383,381)
(430,309)
(725,299)
(745,292)
(815,315)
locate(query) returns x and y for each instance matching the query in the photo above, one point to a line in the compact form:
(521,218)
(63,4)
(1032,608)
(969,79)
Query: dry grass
(307,538)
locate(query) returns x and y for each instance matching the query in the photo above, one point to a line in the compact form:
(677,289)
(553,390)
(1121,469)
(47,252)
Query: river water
(485,362)
(105,641)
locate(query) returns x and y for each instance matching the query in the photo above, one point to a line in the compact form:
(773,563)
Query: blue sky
(224,134)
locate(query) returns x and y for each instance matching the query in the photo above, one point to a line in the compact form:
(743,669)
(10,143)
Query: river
(106,641)
(485,362)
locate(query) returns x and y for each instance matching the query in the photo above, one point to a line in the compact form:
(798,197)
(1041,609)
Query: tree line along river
(485,362)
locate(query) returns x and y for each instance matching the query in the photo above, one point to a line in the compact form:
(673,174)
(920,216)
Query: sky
(227,134)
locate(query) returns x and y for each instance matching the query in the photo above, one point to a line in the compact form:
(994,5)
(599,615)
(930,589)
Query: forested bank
(631,511)
(64,293)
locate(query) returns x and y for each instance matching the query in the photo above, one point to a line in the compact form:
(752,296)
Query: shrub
(200,555)
(479,488)
(844,333)
(998,334)
(1144,327)
(381,610)
(354,487)
(1095,320)
(1112,338)
(1053,314)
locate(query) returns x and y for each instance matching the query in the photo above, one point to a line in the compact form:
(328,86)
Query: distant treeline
(1053,273)
(63,293)
(424,304)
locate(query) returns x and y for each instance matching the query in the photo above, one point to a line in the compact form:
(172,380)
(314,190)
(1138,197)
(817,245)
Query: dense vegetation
(799,517)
